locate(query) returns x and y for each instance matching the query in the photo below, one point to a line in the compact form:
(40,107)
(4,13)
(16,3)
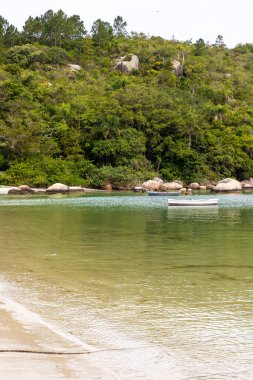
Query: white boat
(193,202)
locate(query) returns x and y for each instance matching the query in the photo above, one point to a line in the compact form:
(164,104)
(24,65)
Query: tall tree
(3,26)
(102,33)
(119,27)
(200,47)
(220,41)
(53,28)
(74,28)
(33,29)
(9,34)
(12,36)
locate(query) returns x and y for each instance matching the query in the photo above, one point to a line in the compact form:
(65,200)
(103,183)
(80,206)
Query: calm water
(169,289)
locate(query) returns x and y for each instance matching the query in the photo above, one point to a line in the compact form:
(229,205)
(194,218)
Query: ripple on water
(120,200)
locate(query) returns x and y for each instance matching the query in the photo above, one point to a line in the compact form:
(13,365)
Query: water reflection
(193,213)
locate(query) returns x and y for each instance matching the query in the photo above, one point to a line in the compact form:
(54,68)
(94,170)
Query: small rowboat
(163,193)
(193,202)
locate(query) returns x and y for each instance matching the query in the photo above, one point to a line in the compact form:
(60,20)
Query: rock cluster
(157,184)
(57,188)
(225,185)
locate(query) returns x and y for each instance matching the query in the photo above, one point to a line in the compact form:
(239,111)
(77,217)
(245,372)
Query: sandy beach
(30,349)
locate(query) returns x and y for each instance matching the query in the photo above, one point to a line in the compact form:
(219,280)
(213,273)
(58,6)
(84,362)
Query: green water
(173,286)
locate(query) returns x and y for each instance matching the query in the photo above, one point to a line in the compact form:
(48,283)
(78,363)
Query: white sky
(183,19)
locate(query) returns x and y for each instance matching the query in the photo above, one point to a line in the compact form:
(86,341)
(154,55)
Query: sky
(182,20)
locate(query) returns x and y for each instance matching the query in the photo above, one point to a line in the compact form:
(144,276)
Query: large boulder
(167,186)
(228,184)
(127,63)
(194,186)
(26,189)
(157,179)
(74,67)
(151,185)
(15,190)
(247,183)
(58,188)
(138,189)
(177,68)
(211,186)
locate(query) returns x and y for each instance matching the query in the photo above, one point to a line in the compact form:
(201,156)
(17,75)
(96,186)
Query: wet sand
(30,349)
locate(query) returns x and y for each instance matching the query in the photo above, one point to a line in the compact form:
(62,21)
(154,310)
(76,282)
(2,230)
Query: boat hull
(193,202)
(163,193)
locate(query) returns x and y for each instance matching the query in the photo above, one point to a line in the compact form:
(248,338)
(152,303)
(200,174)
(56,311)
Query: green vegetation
(97,125)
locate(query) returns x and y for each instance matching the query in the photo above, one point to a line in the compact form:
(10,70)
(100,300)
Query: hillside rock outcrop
(74,67)
(127,63)
(177,68)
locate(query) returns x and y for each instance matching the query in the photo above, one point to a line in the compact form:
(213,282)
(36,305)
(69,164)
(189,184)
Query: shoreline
(26,190)
(33,349)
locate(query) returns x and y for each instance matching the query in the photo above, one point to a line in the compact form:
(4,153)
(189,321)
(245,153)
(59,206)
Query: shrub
(24,55)
(46,171)
(119,176)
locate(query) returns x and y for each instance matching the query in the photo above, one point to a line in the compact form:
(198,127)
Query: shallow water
(170,289)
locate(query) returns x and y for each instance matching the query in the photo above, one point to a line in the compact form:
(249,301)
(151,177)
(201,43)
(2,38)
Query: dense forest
(67,115)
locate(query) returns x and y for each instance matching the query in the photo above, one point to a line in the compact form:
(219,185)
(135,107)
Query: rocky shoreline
(54,189)
(224,185)
(156,184)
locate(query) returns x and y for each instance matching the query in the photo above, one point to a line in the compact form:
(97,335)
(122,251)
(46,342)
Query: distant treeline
(94,125)
(57,29)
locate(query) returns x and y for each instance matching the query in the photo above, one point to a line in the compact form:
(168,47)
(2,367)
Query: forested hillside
(93,124)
